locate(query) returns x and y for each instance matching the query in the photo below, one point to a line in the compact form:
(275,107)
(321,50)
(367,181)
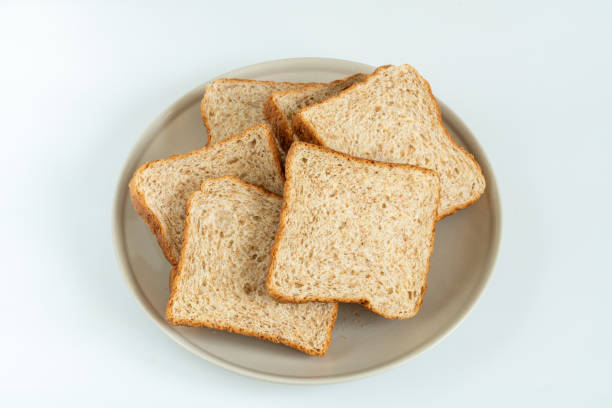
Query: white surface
(80,83)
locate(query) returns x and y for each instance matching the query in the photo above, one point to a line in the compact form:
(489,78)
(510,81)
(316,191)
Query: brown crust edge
(305,131)
(275,294)
(177,272)
(204,115)
(204,102)
(275,152)
(143,210)
(278,122)
(173,273)
(276,116)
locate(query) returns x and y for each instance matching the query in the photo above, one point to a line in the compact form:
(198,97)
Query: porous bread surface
(281,106)
(393,117)
(220,279)
(229,106)
(160,189)
(354,230)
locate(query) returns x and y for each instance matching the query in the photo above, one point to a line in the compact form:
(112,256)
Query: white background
(80,82)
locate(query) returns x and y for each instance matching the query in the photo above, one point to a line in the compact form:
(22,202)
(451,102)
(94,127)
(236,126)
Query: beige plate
(363,343)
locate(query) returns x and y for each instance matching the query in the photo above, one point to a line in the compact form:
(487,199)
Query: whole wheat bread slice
(354,230)
(159,189)
(220,280)
(230,106)
(392,116)
(281,106)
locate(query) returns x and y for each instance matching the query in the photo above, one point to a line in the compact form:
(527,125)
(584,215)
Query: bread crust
(143,209)
(204,116)
(275,151)
(279,121)
(204,102)
(172,277)
(305,131)
(177,273)
(287,201)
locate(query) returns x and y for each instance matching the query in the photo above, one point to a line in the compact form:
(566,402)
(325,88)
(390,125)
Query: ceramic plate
(363,343)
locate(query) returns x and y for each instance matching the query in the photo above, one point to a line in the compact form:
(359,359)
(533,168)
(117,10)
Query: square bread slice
(354,230)
(229,106)
(393,117)
(281,106)
(159,189)
(220,280)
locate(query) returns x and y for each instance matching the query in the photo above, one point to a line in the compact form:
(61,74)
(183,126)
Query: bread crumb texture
(162,187)
(230,106)
(353,230)
(221,276)
(393,117)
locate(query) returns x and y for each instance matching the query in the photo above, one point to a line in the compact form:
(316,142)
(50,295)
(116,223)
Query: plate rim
(119,242)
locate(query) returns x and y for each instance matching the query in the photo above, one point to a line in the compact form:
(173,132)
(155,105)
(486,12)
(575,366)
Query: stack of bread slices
(305,195)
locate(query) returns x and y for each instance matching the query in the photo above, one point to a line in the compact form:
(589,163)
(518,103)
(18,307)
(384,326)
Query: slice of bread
(354,230)
(393,117)
(281,106)
(220,280)
(160,189)
(229,106)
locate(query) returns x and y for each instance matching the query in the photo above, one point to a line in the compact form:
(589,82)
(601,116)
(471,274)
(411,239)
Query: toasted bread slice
(354,230)
(160,189)
(281,106)
(393,117)
(220,280)
(230,106)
